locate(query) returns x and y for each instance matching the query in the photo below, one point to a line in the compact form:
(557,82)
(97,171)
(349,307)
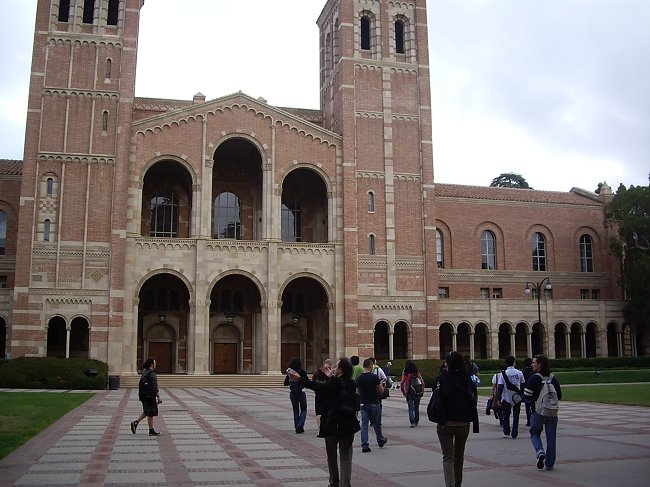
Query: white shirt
(516,378)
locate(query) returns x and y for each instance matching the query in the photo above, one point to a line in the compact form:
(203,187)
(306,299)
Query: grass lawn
(630,394)
(23,415)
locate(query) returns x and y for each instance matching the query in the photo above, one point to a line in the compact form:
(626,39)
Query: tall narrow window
(109,68)
(439,249)
(164,214)
(291,221)
(365,33)
(64,10)
(89,11)
(105,121)
(227,216)
(113,7)
(399,36)
(49,187)
(586,254)
(46,230)
(539,252)
(488,250)
(371,244)
(371,202)
(3,232)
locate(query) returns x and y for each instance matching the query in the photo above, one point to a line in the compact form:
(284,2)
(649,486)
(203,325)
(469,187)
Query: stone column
(567,343)
(512,344)
(67,341)
(471,345)
(529,344)
(200,347)
(583,344)
(391,337)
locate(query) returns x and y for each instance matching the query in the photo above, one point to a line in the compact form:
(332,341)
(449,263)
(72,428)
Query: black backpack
(146,387)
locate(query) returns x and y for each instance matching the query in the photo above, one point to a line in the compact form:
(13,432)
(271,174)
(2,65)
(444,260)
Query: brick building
(227,235)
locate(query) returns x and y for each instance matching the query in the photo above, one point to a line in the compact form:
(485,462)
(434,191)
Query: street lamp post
(538,288)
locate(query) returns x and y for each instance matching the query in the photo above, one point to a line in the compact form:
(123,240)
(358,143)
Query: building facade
(228,235)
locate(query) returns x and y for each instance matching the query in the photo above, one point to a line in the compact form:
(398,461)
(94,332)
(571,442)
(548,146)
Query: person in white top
(510,393)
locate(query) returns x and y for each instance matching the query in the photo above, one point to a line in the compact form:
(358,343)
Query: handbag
(488,406)
(386,393)
(435,407)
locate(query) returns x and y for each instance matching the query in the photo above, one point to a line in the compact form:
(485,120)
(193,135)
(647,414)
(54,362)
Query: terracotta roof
(574,197)
(311,115)
(11,167)
(160,103)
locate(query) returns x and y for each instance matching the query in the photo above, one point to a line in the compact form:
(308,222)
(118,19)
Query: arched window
(227,216)
(3,232)
(488,250)
(49,186)
(371,202)
(105,120)
(64,10)
(164,214)
(439,249)
(113,7)
(89,11)
(365,33)
(539,252)
(399,36)
(291,221)
(46,230)
(371,244)
(109,68)
(586,254)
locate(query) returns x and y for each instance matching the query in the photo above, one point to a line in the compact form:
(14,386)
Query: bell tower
(71,231)
(375,93)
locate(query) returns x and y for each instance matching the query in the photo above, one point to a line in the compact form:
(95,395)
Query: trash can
(113,382)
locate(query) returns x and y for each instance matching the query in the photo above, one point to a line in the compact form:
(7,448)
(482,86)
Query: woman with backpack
(412,386)
(543,389)
(458,410)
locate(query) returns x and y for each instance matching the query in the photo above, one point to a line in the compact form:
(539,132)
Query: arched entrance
(446,333)
(304,207)
(481,341)
(575,338)
(504,340)
(537,339)
(56,337)
(521,340)
(381,351)
(305,307)
(462,338)
(612,340)
(3,337)
(293,344)
(591,339)
(237,333)
(401,340)
(560,337)
(163,316)
(79,337)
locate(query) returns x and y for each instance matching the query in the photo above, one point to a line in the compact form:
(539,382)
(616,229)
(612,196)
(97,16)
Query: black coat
(340,403)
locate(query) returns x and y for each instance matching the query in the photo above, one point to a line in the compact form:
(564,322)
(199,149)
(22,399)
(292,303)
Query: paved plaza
(214,437)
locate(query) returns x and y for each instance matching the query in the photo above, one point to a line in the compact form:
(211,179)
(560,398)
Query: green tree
(629,213)
(510,180)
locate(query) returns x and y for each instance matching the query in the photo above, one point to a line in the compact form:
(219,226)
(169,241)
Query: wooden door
(225,358)
(162,352)
(289,351)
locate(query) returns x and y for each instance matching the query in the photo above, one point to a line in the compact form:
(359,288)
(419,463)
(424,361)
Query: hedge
(53,373)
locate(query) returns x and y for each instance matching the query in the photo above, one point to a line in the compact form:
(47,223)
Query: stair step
(217,380)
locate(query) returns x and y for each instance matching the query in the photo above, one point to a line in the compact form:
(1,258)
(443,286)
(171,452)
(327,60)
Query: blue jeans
(548,423)
(506,408)
(370,413)
(299,404)
(413,402)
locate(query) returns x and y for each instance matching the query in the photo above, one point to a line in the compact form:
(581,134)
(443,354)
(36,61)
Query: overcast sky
(557,91)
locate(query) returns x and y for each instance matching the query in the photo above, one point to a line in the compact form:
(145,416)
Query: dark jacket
(321,402)
(534,387)
(458,398)
(295,387)
(340,403)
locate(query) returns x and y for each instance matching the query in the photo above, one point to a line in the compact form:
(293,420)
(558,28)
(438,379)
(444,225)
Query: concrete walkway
(214,437)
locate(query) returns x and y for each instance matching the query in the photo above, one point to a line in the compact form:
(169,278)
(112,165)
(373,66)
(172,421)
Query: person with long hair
(339,422)
(540,383)
(459,409)
(413,397)
(297,396)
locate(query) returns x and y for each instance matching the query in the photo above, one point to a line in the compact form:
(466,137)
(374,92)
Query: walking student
(339,421)
(459,409)
(528,371)
(370,388)
(544,390)
(149,396)
(323,374)
(412,387)
(297,395)
(510,390)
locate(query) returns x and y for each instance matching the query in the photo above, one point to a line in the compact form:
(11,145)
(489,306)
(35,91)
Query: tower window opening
(113,8)
(365,33)
(64,10)
(399,36)
(89,11)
